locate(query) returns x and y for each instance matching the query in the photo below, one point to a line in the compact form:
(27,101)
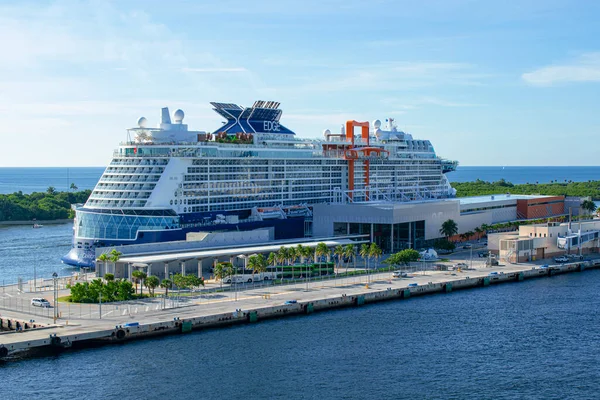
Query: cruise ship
(249,173)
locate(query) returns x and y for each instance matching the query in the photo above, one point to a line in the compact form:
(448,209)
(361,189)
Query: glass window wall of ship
(120,227)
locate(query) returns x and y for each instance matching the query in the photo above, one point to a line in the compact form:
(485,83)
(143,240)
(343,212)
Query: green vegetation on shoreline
(569,188)
(49,205)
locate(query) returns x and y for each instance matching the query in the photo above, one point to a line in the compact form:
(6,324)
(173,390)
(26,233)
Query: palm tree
(485,228)
(257,263)
(115,255)
(478,231)
(281,258)
(320,251)
(151,283)
(137,277)
(103,258)
(292,255)
(272,261)
(305,254)
(339,252)
(300,253)
(350,253)
(449,228)
(229,270)
(364,253)
(219,271)
(73,186)
(375,252)
(166,284)
(253,264)
(589,206)
(143,276)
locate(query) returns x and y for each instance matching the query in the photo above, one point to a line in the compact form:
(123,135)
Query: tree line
(554,188)
(47,205)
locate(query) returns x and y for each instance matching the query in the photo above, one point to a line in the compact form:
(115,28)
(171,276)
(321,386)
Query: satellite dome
(376,124)
(178,116)
(142,122)
(326,132)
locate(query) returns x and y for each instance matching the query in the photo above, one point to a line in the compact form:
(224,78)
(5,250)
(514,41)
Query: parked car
(483,254)
(291,301)
(467,246)
(39,302)
(399,274)
(561,259)
(461,265)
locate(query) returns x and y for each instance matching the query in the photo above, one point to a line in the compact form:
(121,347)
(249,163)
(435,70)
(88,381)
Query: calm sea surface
(537,339)
(38,179)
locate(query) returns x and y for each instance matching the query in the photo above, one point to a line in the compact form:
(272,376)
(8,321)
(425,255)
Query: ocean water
(536,339)
(29,180)
(38,179)
(25,251)
(519,175)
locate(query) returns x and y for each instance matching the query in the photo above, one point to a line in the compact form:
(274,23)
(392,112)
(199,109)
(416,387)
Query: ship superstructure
(251,172)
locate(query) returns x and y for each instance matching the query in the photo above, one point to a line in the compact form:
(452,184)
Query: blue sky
(489,83)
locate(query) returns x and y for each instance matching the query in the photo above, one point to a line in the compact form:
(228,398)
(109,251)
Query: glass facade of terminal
(405,235)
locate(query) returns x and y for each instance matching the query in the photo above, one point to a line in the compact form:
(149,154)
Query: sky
(488,82)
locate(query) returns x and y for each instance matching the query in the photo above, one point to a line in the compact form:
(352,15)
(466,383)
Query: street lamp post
(55,281)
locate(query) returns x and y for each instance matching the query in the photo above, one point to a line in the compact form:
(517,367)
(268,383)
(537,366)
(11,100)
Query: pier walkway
(250,305)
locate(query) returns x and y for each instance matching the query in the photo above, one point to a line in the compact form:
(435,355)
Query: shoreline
(40,222)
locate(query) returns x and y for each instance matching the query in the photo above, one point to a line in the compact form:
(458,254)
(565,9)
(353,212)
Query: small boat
(37,225)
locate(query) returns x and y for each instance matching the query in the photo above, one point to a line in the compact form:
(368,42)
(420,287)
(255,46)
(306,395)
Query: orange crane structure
(363,153)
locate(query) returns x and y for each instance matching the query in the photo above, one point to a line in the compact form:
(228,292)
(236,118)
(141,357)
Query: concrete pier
(254,305)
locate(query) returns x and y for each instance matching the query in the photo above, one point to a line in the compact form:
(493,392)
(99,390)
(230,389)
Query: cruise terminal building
(393,226)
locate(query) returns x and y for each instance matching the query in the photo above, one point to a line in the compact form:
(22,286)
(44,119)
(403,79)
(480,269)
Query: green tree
(272,259)
(109,277)
(166,284)
(115,255)
(257,263)
(219,272)
(320,251)
(365,254)
(103,258)
(588,206)
(281,258)
(449,228)
(73,186)
(339,252)
(124,290)
(292,255)
(137,277)
(349,253)
(404,257)
(152,283)
(375,252)
(51,190)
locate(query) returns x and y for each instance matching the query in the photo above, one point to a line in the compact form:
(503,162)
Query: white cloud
(585,68)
